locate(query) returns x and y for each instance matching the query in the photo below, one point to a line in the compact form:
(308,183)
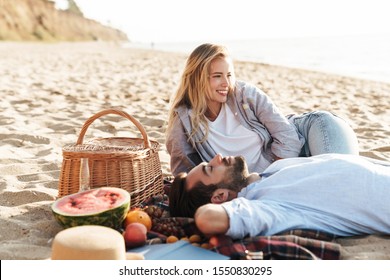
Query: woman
(213,113)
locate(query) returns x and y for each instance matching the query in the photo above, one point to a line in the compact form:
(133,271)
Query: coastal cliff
(39,20)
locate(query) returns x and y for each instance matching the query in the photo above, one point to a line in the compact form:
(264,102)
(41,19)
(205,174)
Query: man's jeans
(325,133)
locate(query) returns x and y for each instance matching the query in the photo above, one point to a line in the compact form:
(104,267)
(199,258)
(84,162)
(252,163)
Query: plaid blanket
(291,245)
(284,246)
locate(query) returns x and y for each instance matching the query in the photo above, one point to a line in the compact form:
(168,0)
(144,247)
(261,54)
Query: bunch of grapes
(154,212)
(169,227)
(164,225)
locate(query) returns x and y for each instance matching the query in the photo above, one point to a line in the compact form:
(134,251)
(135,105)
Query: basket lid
(112,144)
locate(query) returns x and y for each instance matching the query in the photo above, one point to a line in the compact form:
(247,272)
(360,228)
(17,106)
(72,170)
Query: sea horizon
(356,56)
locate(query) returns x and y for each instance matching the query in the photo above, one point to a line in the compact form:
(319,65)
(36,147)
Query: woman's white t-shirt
(228,137)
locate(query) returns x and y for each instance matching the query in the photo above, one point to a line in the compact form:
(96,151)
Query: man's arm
(212,219)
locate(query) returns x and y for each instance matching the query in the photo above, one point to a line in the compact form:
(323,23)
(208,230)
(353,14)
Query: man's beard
(236,178)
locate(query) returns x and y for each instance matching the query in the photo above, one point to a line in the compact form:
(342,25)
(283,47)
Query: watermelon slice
(104,206)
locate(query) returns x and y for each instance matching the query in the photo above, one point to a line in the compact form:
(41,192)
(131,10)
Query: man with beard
(187,193)
(344,195)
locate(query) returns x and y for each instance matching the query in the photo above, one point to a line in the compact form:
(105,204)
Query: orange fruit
(172,239)
(195,238)
(138,216)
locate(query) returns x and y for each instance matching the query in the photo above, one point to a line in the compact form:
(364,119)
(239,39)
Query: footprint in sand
(11,199)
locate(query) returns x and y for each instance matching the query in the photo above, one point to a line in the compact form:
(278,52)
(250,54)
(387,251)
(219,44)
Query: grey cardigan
(255,111)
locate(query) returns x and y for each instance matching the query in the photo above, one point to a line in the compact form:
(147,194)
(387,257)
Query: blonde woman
(213,113)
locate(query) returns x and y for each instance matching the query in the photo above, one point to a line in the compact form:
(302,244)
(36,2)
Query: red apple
(135,235)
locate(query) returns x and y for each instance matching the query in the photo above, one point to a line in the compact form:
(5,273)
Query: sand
(49,90)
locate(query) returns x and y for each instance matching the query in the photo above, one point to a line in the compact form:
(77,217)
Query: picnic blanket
(297,244)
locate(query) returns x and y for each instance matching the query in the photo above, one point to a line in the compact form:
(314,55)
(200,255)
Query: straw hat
(90,242)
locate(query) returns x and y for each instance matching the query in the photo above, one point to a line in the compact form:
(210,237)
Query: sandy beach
(48,91)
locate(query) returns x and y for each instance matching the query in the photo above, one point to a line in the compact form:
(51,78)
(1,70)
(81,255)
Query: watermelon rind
(112,217)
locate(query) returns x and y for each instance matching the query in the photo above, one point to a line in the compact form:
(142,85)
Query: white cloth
(226,135)
(341,194)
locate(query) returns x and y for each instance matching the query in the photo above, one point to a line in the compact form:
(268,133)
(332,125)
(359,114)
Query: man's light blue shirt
(341,194)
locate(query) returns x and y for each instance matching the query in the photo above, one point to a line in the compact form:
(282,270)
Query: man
(341,194)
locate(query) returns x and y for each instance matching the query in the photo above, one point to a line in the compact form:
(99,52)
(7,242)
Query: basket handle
(116,112)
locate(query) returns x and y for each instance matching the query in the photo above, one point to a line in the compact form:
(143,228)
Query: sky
(202,20)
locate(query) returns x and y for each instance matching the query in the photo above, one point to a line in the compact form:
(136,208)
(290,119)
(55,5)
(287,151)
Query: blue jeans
(325,133)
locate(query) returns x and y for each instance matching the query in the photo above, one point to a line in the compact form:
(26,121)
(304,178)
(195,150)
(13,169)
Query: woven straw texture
(132,164)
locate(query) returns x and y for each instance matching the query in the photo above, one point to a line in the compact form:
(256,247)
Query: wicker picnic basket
(132,164)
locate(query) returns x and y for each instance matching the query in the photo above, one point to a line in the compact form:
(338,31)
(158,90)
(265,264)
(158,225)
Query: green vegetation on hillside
(39,20)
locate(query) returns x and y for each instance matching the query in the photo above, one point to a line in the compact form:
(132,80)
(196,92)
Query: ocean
(363,56)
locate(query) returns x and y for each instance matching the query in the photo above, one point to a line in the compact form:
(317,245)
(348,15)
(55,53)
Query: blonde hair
(194,88)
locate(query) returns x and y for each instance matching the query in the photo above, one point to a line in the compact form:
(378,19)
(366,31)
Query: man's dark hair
(183,203)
